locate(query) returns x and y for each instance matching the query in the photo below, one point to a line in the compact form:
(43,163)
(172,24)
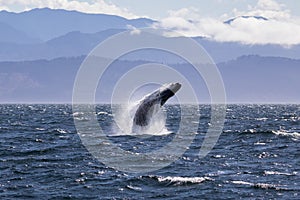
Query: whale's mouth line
(146,111)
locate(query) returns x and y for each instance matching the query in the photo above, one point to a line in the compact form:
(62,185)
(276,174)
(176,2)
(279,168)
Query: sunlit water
(256,157)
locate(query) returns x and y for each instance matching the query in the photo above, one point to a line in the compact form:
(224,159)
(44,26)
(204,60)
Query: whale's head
(174,87)
(167,91)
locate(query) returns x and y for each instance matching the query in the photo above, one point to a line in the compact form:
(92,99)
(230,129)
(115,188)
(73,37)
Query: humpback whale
(146,106)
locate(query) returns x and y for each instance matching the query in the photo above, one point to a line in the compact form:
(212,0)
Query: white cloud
(280,28)
(96,6)
(267,8)
(134,30)
(3,7)
(269,5)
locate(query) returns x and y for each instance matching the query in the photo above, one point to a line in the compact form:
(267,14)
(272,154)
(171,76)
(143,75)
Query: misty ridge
(42,49)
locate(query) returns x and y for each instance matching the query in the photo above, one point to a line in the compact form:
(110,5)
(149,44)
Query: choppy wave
(287,133)
(280,173)
(262,185)
(134,188)
(178,180)
(102,113)
(257,131)
(61,130)
(42,156)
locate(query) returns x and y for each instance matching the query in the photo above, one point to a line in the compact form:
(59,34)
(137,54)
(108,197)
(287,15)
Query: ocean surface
(257,156)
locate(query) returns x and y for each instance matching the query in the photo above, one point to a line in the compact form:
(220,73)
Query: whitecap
(260,143)
(252,131)
(241,182)
(80,180)
(180,180)
(102,113)
(279,173)
(286,133)
(267,186)
(17,123)
(76,114)
(134,188)
(260,185)
(61,130)
(261,119)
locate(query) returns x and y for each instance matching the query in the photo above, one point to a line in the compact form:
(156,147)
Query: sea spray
(124,114)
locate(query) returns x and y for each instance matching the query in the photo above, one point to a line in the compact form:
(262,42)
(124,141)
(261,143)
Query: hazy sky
(213,8)
(155,9)
(196,17)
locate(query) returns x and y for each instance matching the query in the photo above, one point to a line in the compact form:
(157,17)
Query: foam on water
(183,179)
(287,133)
(124,125)
(280,173)
(260,185)
(61,130)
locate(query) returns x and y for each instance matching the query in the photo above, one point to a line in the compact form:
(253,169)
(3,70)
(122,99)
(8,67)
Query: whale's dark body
(146,106)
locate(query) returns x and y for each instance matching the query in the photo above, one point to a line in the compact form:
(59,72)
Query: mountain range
(45,24)
(247,79)
(48,34)
(77,43)
(42,50)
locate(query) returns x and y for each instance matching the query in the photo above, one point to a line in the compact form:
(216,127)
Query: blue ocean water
(256,157)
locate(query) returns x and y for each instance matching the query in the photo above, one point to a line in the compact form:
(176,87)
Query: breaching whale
(146,106)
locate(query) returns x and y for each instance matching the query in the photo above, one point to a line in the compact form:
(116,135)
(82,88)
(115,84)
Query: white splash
(124,122)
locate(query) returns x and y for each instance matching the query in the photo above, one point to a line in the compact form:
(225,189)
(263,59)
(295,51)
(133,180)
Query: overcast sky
(196,17)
